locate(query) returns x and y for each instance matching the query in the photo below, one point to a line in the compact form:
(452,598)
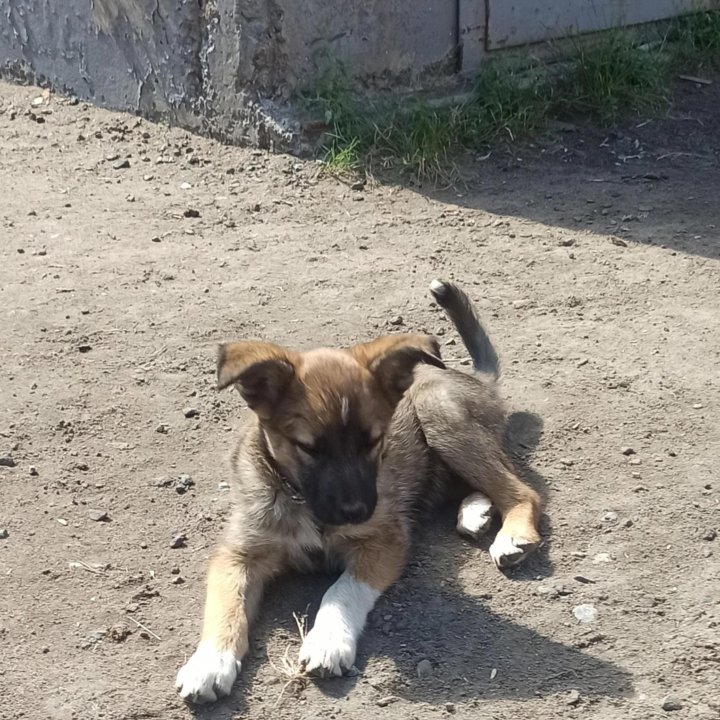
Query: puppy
(340,449)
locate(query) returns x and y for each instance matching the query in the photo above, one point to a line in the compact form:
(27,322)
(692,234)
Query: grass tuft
(610,77)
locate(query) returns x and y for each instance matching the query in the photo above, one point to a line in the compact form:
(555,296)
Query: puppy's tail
(461,312)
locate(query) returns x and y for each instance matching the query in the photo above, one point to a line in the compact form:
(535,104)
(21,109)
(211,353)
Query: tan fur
(446,429)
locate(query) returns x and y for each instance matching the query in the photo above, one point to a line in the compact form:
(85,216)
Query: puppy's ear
(261,372)
(392,360)
(367,353)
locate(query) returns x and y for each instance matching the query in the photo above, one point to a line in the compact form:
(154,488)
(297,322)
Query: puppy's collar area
(289,488)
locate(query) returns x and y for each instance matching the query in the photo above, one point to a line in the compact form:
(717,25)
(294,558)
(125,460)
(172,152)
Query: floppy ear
(393,358)
(367,353)
(261,372)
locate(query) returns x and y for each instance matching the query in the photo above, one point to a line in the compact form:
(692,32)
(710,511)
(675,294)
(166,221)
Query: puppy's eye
(306,448)
(371,443)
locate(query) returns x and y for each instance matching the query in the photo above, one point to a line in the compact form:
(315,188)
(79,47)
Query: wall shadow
(651,182)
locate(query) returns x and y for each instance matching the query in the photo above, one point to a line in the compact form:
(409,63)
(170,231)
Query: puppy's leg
(235,585)
(373,565)
(519,506)
(477,457)
(475,515)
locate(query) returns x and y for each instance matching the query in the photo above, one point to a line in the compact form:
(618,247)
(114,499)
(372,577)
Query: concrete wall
(232,68)
(228,68)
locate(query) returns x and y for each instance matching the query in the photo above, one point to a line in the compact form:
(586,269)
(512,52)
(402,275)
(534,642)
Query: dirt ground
(130,249)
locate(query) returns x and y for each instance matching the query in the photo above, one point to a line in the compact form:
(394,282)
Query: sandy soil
(130,249)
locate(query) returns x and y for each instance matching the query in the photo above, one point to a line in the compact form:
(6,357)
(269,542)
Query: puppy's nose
(354,512)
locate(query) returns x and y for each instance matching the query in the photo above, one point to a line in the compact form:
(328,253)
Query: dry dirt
(595,261)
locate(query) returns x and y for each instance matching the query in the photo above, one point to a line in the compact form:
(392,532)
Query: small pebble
(178,580)
(710,535)
(450,707)
(585,613)
(191,412)
(4,534)
(424,669)
(121,165)
(183,484)
(627,451)
(98,515)
(7,461)
(33,471)
(62,521)
(397,320)
(179,541)
(671,703)
(602,558)
(389,700)
(573,698)
(162,428)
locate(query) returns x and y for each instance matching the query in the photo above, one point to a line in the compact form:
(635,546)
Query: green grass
(694,41)
(610,77)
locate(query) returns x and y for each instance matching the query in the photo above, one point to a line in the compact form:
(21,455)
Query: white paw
(329,648)
(474,516)
(207,675)
(507,551)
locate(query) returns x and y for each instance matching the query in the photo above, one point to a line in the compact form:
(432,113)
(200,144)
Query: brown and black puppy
(340,449)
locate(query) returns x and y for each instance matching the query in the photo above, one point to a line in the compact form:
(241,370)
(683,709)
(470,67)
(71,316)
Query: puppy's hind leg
(475,515)
(476,456)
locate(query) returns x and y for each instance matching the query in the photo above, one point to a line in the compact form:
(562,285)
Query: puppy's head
(325,413)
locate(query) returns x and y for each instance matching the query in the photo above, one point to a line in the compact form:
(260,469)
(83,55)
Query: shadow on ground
(475,652)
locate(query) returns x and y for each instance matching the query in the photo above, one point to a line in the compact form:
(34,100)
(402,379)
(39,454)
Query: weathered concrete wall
(229,68)
(233,68)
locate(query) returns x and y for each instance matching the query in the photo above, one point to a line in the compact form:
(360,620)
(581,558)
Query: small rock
(581,363)
(671,703)
(184,482)
(177,580)
(572,698)
(424,669)
(191,412)
(389,700)
(7,461)
(62,521)
(112,157)
(33,471)
(223,486)
(164,482)
(602,558)
(585,613)
(584,580)
(98,515)
(191,213)
(84,348)
(4,534)
(358,185)
(179,541)
(567,462)
(162,428)
(119,632)
(397,320)
(450,707)
(121,164)
(185,186)
(710,535)
(93,638)
(627,451)
(610,517)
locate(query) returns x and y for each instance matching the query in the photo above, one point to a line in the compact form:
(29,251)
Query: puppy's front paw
(207,675)
(329,649)
(508,550)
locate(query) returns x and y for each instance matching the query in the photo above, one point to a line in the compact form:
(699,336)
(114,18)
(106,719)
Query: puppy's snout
(355,512)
